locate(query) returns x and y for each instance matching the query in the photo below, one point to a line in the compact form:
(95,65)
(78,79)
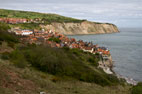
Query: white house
(27,32)
(88,49)
(23,32)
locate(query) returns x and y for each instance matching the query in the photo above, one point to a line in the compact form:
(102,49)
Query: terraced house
(13,20)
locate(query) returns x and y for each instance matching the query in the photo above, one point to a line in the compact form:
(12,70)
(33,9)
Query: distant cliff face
(85,27)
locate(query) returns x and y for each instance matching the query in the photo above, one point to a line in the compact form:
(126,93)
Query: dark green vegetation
(6,36)
(62,63)
(4,27)
(47,18)
(30,26)
(137,89)
(57,40)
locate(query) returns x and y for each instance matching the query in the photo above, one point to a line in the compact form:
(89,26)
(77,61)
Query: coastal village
(58,40)
(20,20)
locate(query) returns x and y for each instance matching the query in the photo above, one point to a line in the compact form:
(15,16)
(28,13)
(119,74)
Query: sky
(123,13)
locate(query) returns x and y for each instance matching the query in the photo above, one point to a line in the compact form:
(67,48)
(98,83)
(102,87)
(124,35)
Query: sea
(125,48)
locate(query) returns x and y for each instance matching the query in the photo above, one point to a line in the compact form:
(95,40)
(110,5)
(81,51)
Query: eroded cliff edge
(85,27)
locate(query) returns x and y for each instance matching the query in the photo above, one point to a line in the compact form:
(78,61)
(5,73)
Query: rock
(43,93)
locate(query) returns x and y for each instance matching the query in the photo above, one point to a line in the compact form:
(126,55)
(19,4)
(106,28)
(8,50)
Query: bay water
(125,48)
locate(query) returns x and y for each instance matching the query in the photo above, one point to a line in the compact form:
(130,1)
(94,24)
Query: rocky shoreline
(128,80)
(108,65)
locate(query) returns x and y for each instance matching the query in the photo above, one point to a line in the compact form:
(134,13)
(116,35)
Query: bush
(55,79)
(30,26)
(18,59)
(57,40)
(11,44)
(5,35)
(4,27)
(61,63)
(137,89)
(5,56)
(76,51)
(6,91)
(93,61)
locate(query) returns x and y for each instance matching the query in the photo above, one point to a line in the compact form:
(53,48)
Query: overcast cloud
(122,13)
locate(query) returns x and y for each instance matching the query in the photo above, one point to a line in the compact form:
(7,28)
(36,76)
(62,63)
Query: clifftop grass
(48,18)
(45,18)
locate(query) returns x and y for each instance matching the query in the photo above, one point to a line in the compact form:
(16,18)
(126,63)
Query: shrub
(66,48)
(6,91)
(5,35)
(61,62)
(4,27)
(5,56)
(11,44)
(30,26)
(55,79)
(137,89)
(93,61)
(76,51)
(57,40)
(18,59)
(20,62)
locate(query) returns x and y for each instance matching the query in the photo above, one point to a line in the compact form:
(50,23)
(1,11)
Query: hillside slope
(64,25)
(15,80)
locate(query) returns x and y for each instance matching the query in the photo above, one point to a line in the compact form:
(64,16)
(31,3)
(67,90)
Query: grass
(137,89)
(44,18)
(44,82)
(47,18)
(30,26)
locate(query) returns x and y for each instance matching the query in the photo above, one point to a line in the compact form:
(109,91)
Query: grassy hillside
(39,19)
(44,17)
(15,80)
(48,18)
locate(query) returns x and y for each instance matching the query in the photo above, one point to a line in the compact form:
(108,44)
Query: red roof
(88,48)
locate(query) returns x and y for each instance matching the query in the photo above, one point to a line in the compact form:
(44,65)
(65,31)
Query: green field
(46,17)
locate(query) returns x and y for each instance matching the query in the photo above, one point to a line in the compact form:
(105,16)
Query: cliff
(84,27)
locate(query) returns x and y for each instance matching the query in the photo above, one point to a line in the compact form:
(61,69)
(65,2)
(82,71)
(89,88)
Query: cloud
(71,1)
